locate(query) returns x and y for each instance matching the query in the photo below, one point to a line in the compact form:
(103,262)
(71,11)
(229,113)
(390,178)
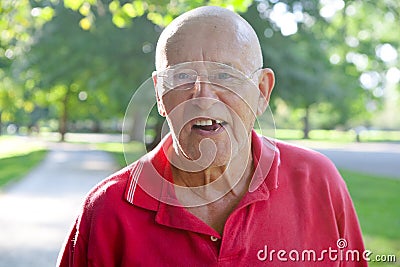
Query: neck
(214,182)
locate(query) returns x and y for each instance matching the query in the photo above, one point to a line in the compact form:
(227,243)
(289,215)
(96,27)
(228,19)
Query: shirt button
(213,238)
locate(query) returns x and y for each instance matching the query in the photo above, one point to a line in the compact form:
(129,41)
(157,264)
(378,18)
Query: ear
(265,85)
(160,105)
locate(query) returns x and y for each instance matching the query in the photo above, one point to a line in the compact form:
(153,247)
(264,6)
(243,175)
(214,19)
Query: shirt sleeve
(349,240)
(74,250)
(351,237)
(350,243)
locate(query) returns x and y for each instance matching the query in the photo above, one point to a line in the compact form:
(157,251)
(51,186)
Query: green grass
(15,167)
(131,151)
(339,136)
(377,201)
(17,157)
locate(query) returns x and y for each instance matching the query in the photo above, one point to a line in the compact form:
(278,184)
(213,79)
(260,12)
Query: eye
(223,76)
(182,76)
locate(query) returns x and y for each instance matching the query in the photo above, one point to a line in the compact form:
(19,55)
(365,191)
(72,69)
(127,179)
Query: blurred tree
(17,22)
(333,56)
(327,52)
(96,62)
(90,73)
(302,69)
(12,25)
(364,45)
(160,12)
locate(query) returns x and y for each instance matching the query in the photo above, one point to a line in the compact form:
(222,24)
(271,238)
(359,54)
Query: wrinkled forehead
(225,39)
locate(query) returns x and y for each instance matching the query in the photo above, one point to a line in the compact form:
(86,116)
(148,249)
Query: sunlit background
(69,68)
(72,66)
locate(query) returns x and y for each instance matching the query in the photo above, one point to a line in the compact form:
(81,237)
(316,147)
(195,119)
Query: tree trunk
(64,116)
(96,126)
(306,129)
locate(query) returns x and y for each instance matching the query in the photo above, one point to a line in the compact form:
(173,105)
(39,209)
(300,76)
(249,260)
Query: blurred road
(371,158)
(37,212)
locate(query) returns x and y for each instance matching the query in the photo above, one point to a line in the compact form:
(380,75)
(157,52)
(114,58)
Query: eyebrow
(229,64)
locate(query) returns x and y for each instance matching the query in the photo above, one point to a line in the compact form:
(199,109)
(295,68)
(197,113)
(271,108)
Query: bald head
(209,34)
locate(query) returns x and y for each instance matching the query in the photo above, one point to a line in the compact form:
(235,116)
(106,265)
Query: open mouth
(208,125)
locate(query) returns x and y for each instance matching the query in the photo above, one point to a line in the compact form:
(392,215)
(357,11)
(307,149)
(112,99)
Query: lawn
(18,157)
(15,167)
(377,201)
(132,151)
(340,136)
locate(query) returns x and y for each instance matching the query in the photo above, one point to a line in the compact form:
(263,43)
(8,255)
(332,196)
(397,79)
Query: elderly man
(215,193)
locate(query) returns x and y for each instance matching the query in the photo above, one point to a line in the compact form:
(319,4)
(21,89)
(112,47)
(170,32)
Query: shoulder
(298,157)
(107,200)
(308,166)
(289,152)
(110,191)
(306,172)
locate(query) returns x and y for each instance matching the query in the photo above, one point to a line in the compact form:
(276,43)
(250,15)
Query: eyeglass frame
(162,84)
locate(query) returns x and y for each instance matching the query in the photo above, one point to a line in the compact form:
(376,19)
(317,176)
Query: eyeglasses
(185,75)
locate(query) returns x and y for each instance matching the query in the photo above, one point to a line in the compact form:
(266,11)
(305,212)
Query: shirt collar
(155,176)
(266,159)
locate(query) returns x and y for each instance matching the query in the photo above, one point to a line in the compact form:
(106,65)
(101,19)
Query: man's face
(209,92)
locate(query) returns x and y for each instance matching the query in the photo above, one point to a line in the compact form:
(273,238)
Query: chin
(221,160)
(209,154)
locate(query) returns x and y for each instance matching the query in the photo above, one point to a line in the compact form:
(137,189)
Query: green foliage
(160,12)
(79,60)
(302,69)
(354,36)
(90,74)
(18,20)
(339,49)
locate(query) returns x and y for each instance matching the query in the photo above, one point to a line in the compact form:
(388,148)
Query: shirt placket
(236,237)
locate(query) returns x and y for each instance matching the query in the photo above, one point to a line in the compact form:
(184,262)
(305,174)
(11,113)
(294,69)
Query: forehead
(217,39)
(200,68)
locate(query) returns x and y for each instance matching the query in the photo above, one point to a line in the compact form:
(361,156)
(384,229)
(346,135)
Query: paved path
(36,213)
(371,158)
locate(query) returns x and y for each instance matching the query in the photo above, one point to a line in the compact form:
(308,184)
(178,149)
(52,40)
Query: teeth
(203,122)
(207,122)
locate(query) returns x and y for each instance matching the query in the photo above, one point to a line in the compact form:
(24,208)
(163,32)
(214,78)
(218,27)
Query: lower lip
(209,133)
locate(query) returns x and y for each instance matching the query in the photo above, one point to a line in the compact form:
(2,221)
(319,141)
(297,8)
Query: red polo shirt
(297,213)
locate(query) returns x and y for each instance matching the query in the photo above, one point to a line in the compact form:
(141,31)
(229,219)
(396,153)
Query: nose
(204,95)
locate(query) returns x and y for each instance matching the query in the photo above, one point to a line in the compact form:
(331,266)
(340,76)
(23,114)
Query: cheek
(173,115)
(244,107)
(170,101)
